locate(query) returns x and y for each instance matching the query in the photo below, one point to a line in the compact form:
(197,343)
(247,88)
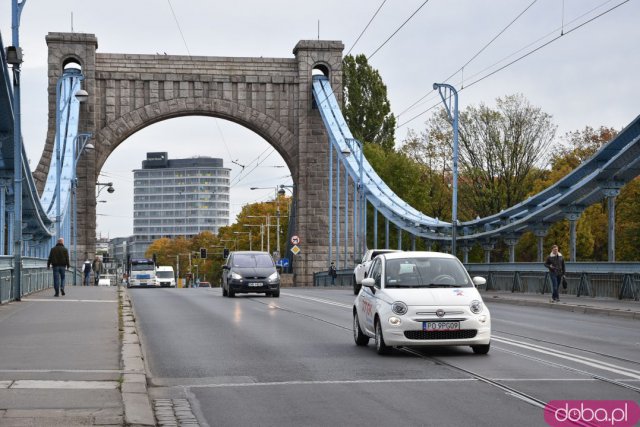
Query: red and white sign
(295,240)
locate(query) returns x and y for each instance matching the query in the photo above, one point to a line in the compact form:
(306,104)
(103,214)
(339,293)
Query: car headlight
(399,308)
(236,276)
(395,321)
(273,277)
(475,306)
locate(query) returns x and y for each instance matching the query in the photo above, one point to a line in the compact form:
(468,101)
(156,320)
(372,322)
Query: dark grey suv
(250,272)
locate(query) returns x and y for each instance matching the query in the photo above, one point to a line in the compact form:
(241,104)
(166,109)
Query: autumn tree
(367,109)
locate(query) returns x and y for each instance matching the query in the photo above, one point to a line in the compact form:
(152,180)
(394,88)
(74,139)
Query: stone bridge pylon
(271,96)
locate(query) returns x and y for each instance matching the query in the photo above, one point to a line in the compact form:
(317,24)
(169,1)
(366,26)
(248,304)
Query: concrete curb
(135,396)
(576,308)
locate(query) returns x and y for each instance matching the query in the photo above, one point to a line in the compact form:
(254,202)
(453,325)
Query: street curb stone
(135,395)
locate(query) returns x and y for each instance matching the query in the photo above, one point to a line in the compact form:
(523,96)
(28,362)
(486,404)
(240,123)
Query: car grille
(441,335)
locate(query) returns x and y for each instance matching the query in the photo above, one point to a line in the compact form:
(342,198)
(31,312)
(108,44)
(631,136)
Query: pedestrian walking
(59,260)
(96,266)
(333,273)
(555,264)
(86,269)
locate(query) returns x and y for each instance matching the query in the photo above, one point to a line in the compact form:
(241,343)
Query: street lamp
(80,143)
(447,92)
(14,57)
(109,186)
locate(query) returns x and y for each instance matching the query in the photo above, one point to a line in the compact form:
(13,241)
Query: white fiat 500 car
(421,299)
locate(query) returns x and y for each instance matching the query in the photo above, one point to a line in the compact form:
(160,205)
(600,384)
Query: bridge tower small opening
(318,70)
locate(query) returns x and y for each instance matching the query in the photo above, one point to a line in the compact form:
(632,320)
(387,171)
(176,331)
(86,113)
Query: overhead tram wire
(473,57)
(179,28)
(524,55)
(398,29)
(365,28)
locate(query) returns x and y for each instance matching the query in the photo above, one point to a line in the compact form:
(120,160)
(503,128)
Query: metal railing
(35,277)
(344,278)
(594,279)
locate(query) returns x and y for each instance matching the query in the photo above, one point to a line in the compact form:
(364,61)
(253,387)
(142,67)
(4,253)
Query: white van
(165,276)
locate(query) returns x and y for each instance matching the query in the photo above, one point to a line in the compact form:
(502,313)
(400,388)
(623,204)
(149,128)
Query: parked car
(360,271)
(421,299)
(205,284)
(250,272)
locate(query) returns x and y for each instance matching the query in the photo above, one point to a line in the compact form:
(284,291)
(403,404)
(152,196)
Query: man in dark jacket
(59,259)
(555,264)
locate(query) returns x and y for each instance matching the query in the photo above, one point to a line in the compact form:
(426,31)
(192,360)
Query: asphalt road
(291,361)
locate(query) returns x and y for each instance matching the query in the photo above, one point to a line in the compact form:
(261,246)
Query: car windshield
(164,274)
(141,267)
(419,272)
(252,260)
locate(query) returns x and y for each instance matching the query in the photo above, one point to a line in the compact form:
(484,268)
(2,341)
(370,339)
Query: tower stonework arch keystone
(270,96)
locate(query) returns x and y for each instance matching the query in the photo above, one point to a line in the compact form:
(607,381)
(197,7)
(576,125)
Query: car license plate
(255,285)
(440,326)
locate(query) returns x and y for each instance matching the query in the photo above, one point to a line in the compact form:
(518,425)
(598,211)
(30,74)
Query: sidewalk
(584,304)
(72,361)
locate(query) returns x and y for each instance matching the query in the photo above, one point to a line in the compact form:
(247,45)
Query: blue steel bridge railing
(615,164)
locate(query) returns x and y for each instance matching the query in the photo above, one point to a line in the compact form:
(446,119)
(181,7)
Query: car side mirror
(225,267)
(368,282)
(479,281)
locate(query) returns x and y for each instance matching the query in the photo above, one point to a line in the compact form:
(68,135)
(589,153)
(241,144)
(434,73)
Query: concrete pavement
(76,360)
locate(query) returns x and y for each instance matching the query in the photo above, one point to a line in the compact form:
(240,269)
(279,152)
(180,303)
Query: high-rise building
(178,197)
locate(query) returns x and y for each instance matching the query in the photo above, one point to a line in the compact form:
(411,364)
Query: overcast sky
(587,77)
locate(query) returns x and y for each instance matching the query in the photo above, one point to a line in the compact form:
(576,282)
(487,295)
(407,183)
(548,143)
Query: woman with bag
(555,264)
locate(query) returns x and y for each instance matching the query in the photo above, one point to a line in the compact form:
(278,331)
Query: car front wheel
(381,347)
(358,336)
(481,349)
(224,291)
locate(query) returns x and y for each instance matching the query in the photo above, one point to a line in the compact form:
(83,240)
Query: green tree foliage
(366,108)
(628,222)
(500,152)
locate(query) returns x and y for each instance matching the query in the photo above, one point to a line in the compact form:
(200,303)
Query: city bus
(142,272)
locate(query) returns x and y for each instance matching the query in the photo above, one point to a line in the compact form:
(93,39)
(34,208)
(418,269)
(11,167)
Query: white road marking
(5,384)
(68,300)
(321,300)
(81,371)
(73,385)
(570,356)
(417,380)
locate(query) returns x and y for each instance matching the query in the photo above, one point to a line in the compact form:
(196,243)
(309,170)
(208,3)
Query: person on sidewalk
(86,269)
(59,260)
(555,264)
(96,266)
(333,273)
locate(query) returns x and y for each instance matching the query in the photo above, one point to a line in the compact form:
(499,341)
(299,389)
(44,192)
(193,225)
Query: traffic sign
(283,262)
(295,240)
(295,249)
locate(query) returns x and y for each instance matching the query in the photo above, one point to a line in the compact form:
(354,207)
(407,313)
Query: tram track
(599,364)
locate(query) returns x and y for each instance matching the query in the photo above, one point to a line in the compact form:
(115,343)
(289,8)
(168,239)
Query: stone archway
(270,96)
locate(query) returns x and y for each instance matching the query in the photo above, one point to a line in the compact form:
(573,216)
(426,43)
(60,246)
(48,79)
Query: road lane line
(321,300)
(569,356)
(329,382)
(67,385)
(63,299)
